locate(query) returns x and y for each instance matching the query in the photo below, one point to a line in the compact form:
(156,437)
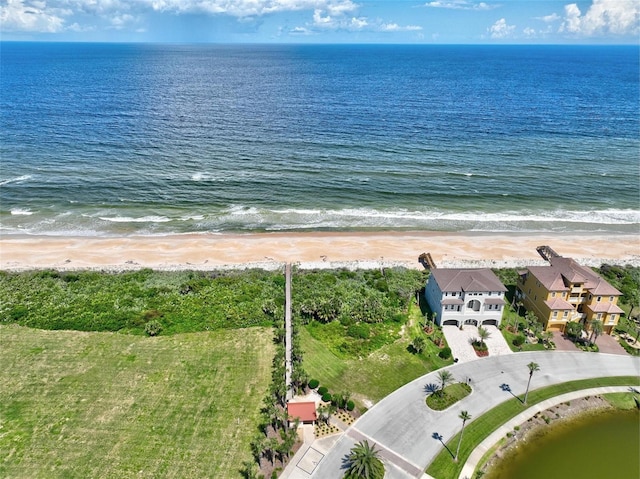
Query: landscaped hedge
(182,301)
(322,390)
(314,383)
(445,353)
(326,397)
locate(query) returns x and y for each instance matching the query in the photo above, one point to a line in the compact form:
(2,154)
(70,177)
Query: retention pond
(596,446)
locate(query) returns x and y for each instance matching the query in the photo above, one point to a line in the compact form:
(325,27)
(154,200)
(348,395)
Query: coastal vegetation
(160,302)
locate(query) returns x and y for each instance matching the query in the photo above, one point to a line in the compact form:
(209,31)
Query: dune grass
(86,404)
(477,430)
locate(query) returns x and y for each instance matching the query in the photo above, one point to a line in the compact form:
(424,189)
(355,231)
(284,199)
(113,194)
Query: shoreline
(211,251)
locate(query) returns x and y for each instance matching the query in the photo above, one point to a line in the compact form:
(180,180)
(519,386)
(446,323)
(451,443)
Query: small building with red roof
(305,412)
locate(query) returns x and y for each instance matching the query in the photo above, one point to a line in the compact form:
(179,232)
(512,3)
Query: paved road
(404,427)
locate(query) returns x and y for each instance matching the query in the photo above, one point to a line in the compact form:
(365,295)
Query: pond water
(602,445)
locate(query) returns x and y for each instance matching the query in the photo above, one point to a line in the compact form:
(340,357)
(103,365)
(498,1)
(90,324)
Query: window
(598,298)
(555,314)
(565,314)
(599,316)
(612,317)
(611,299)
(553,294)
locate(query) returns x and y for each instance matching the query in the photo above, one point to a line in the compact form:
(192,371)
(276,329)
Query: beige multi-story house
(565,291)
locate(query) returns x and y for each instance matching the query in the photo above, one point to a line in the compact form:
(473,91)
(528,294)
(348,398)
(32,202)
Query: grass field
(80,405)
(370,378)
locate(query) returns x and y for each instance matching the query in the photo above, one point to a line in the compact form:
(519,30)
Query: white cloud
(250,8)
(529,32)
(26,16)
(394,27)
(554,17)
(461,5)
(359,23)
(299,31)
(617,17)
(501,29)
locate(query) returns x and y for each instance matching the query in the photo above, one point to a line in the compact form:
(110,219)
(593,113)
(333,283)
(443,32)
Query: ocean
(146,139)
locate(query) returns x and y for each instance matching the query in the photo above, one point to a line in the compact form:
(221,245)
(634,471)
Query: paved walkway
(410,432)
(287,328)
(459,340)
(562,343)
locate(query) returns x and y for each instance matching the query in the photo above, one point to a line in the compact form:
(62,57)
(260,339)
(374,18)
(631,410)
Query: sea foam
(18,179)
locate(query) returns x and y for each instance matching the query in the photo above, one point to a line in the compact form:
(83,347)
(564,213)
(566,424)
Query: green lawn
(479,428)
(452,394)
(372,377)
(79,405)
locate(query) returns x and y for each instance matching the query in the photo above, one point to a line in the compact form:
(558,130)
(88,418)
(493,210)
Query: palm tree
(445,378)
(465,416)
(483,334)
(533,367)
(364,462)
(418,344)
(633,296)
(596,329)
(531,319)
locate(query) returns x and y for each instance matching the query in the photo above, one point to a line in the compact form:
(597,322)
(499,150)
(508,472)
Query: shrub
(418,344)
(350,405)
(518,340)
(153,328)
(359,331)
(314,383)
(326,397)
(445,353)
(322,390)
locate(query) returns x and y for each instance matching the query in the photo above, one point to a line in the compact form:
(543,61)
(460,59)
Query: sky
(323,21)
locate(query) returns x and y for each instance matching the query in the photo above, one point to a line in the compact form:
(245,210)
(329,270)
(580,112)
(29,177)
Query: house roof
(494,301)
(452,301)
(603,307)
(562,272)
(558,304)
(468,280)
(305,411)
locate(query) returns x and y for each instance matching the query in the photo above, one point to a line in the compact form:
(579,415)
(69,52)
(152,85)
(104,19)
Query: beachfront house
(565,291)
(465,296)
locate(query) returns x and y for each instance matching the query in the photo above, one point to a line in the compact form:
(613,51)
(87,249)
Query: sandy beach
(310,250)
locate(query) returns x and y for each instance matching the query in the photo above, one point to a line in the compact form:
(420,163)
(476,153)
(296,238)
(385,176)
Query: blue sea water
(112,139)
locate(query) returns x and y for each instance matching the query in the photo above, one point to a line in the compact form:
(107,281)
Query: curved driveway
(403,427)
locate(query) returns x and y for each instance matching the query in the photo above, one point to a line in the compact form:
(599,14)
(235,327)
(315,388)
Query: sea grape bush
(184,301)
